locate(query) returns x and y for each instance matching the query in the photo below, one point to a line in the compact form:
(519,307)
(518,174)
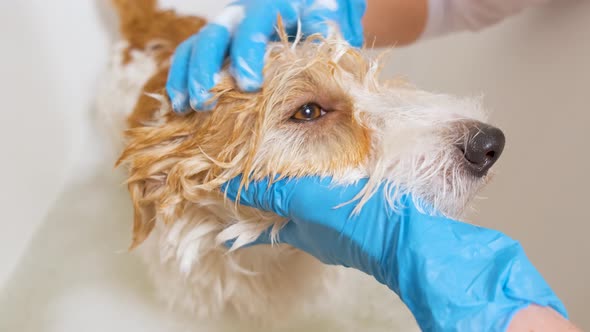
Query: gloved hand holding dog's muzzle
(453,276)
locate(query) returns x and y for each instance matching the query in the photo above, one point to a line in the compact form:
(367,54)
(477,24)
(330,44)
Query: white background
(534,71)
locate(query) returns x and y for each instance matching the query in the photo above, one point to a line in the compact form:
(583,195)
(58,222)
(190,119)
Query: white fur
(120,88)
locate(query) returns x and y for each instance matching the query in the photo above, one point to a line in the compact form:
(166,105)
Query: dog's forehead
(332,54)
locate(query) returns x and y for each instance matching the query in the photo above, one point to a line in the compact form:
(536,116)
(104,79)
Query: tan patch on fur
(142,24)
(147,106)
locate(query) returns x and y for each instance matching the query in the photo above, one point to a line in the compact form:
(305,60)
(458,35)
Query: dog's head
(322,111)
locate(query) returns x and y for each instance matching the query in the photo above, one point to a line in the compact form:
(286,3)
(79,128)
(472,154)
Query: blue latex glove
(453,276)
(244,28)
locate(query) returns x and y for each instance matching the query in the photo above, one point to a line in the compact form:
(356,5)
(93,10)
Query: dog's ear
(174,161)
(165,174)
(170,161)
(157,158)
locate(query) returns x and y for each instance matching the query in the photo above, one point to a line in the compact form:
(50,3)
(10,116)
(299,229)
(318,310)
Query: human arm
(540,319)
(401,22)
(451,275)
(394,22)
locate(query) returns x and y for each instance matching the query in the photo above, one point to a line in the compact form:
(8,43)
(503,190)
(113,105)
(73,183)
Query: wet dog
(322,111)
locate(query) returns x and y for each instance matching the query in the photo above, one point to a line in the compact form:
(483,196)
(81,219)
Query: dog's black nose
(483,146)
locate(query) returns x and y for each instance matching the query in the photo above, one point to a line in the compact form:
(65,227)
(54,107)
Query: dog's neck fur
(197,274)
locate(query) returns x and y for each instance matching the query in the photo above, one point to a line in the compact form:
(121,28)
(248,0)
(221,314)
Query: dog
(322,111)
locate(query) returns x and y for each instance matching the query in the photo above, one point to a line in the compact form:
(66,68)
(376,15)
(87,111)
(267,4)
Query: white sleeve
(445,16)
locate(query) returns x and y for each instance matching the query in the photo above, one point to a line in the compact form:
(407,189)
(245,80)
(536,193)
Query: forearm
(394,22)
(456,276)
(539,319)
(401,22)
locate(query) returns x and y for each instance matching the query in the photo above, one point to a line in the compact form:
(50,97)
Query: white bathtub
(65,217)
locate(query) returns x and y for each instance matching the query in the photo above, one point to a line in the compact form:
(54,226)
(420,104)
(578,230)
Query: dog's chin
(450,193)
(455,205)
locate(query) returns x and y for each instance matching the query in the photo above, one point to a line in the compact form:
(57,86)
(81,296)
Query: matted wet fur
(389,132)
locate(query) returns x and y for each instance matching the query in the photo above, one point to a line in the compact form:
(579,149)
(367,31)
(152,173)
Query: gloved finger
(259,194)
(207,56)
(250,40)
(292,197)
(325,17)
(319,19)
(354,27)
(176,85)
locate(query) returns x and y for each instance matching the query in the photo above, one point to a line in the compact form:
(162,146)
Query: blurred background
(64,225)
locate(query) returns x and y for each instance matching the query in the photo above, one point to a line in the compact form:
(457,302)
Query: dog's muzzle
(481,148)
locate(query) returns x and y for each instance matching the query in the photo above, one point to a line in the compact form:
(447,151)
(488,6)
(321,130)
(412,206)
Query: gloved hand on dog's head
(244,29)
(451,275)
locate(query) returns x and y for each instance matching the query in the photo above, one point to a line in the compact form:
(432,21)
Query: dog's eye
(308,112)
